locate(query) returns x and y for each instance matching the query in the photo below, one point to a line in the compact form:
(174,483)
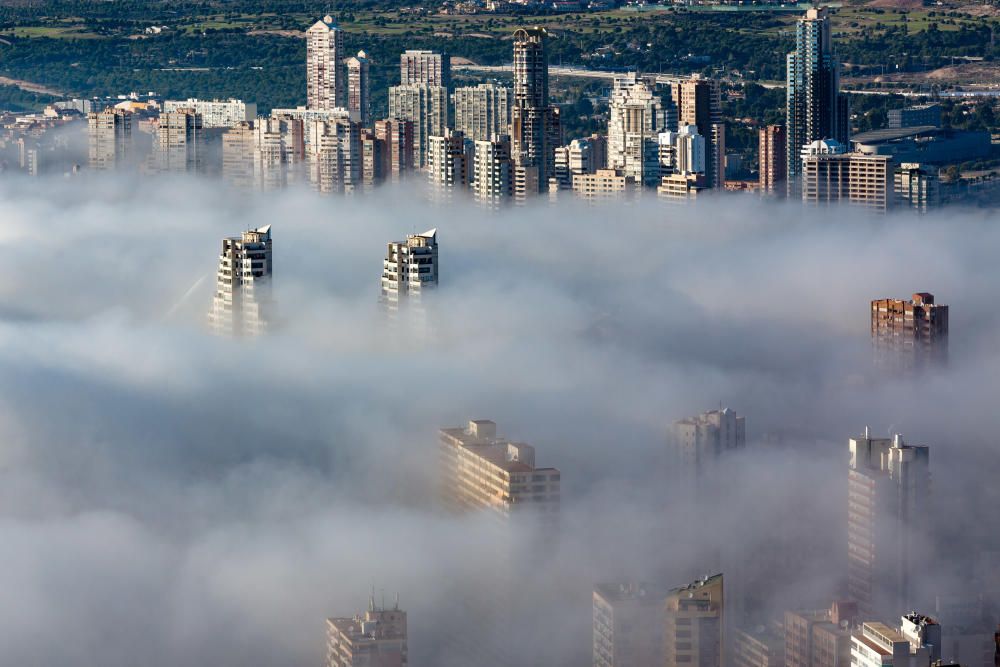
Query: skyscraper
(694,624)
(628,625)
(409,269)
(493,172)
(334,155)
(449,164)
(482,472)
(703,439)
(242,302)
(376,638)
(815,108)
(771,158)
(426,67)
(427,106)
(109,137)
(908,335)
(179,142)
(888,490)
(535,128)
(324,50)
(482,112)
(699,103)
(637,117)
(359,89)
(397,136)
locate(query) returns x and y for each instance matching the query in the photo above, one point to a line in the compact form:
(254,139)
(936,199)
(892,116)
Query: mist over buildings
(189,499)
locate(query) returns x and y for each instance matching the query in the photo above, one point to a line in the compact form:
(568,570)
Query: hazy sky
(168,497)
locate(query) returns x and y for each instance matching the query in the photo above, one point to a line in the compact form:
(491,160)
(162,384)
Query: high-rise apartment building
(374,159)
(820,638)
(215,113)
(535,128)
(179,144)
(694,625)
(628,624)
(425,67)
(888,502)
(637,117)
(376,638)
(483,472)
(263,154)
(238,155)
(242,302)
(829,175)
(334,155)
(917,643)
(397,137)
(699,103)
(760,647)
(324,51)
(917,187)
(359,89)
(703,439)
(815,109)
(493,172)
(409,269)
(772,159)
(449,164)
(909,334)
(482,112)
(109,137)
(427,107)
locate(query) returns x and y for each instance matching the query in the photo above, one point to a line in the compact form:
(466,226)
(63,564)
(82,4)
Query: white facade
(324,50)
(637,117)
(242,302)
(410,268)
(482,112)
(427,107)
(216,113)
(878,645)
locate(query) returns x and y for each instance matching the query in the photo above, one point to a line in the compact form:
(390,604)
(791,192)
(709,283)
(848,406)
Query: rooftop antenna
(397,601)
(383,599)
(371,598)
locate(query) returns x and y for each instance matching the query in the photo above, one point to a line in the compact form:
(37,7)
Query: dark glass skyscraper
(815,107)
(535,129)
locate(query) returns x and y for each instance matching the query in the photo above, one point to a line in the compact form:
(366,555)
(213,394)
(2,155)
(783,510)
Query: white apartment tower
(449,163)
(637,117)
(324,49)
(376,638)
(215,113)
(493,172)
(703,439)
(410,267)
(888,490)
(242,303)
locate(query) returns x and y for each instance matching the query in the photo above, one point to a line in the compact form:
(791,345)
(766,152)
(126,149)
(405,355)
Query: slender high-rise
(694,625)
(359,89)
(482,112)
(409,269)
(324,50)
(699,103)
(815,108)
(637,117)
(449,164)
(535,128)
(427,106)
(888,503)
(109,136)
(772,159)
(242,302)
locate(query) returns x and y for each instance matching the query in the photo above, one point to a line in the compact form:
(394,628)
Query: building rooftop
(615,592)
(892,134)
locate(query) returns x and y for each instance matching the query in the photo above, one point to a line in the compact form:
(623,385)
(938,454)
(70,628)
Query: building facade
(216,113)
(694,625)
(699,103)
(242,305)
(359,94)
(628,624)
(425,67)
(815,109)
(535,125)
(705,438)
(426,106)
(324,51)
(772,159)
(829,175)
(888,502)
(109,138)
(409,269)
(908,335)
(482,112)
(376,638)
